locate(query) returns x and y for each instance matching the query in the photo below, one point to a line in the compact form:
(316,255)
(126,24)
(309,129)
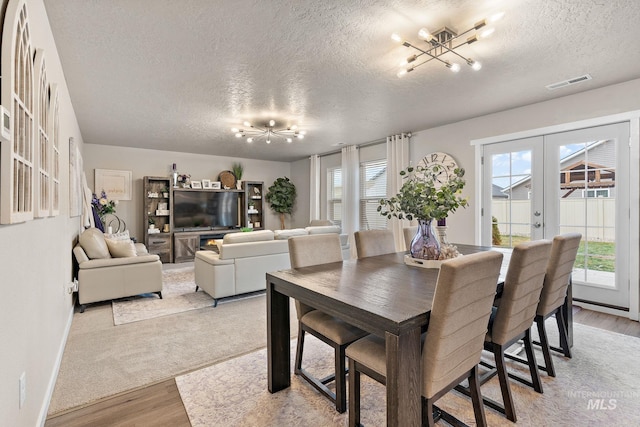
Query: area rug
(598,386)
(178,295)
(102,360)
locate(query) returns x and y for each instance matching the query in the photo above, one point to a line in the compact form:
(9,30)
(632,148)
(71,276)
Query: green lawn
(601,255)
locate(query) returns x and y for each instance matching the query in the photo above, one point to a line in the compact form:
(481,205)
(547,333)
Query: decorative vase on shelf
(425,244)
(238,185)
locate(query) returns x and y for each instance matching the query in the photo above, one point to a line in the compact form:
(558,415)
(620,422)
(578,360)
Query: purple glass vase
(425,244)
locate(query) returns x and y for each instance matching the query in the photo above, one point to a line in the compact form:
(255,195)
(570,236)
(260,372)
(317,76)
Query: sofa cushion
(250,236)
(285,234)
(121,248)
(92,241)
(323,229)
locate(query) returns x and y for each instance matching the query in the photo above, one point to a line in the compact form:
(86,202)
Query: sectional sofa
(243,259)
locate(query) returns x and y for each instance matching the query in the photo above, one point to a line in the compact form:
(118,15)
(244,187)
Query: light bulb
(249,139)
(486,33)
(300,136)
(303,132)
(294,127)
(272,122)
(396,37)
(268,141)
(402,72)
(424,34)
(289,139)
(474,64)
(247,124)
(235,130)
(238,135)
(496,17)
(455,67)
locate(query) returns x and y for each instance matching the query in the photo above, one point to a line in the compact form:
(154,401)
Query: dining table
(381,295)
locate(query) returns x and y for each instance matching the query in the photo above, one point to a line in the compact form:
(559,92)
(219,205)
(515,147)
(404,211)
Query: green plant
(281,196)
(496,237)
(421,198)
(237,169)
(151,221)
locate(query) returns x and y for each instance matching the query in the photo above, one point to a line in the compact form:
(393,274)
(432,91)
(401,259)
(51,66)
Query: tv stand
(187,243)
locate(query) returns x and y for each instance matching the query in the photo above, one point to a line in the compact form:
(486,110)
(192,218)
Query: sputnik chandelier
(442,42)
(267,132)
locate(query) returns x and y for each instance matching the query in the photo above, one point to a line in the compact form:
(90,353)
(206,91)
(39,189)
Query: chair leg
(340,375)
(159,294)
(298,365)
(562,331)
(509,409)
(427,412)
(544,344)
(476,398)
(354,395)
(531,360)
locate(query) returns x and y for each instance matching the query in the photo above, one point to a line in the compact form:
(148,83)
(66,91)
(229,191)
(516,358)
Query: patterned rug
(178,295)
(598,386)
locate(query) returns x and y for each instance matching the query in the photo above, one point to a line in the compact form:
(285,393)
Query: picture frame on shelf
(215,185)
(196,184)
(206,183)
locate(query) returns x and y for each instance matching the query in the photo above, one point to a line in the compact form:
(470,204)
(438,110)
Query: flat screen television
(205,209)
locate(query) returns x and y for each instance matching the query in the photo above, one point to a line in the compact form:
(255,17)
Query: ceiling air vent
(568,82)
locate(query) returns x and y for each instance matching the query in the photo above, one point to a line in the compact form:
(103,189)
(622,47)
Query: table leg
(404,404)
(278,340)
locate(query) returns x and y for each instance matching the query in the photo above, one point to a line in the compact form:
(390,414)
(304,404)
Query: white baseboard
(42,417)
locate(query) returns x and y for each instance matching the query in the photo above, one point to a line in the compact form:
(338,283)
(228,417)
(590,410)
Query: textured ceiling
(177,75)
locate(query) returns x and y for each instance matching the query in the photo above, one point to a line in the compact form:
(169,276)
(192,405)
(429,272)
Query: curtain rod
(364,144)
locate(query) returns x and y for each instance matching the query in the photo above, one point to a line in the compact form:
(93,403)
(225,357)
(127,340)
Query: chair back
(374,242)
(409,234)
(521,293)
(458,322)
(563,255)
(313,249)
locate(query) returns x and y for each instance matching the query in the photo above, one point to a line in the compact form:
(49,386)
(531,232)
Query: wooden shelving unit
(157,210)
(254,204)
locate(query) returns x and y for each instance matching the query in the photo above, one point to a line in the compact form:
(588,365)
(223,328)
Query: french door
(575,181)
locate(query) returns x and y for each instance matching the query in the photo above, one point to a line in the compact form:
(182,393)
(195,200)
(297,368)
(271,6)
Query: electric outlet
(23,389)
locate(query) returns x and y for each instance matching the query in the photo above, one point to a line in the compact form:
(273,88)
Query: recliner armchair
(102,277)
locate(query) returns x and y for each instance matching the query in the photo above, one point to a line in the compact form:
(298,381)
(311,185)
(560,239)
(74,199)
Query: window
(54,133)
(43,170)
(602,192)
(334,195)
(373,187)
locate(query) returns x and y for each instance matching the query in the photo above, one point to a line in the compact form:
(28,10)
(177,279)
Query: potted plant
(238,169)
(165,192)
(424,198)
(281,196)
(152,223)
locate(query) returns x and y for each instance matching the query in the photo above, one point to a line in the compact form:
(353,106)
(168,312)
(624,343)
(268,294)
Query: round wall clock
(445,172)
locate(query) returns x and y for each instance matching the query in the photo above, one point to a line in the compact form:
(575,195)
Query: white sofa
(110,269)
(243,259)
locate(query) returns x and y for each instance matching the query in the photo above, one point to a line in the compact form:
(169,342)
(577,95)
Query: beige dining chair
(563,255)
(374,242)
(512,319)
(409,234)
(452,344)
(306,251)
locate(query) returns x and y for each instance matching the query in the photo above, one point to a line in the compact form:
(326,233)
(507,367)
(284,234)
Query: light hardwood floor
(160,405)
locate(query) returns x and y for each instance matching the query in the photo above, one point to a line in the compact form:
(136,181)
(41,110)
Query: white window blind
(373,187)
(334,195)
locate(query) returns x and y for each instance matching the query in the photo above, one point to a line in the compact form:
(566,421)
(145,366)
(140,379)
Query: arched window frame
(17,154)
(54,137)
(43,152)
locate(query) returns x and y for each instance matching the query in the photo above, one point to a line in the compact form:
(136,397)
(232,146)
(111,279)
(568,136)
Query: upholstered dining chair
(563,255)
(409,234)
(374,242)
(512,319)
(452,344)
(306,251)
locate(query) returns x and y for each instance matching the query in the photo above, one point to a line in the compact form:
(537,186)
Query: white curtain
(397,160)
(314,187)
(350,193)
(87,213)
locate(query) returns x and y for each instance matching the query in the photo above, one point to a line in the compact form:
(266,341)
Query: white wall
(143,162)
(36,266)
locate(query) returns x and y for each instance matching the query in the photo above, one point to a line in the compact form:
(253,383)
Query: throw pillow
(123,235)
(121,248)
(92,241)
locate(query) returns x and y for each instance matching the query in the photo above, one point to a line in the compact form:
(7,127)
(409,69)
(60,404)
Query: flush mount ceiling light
(442,42)
(268,132)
